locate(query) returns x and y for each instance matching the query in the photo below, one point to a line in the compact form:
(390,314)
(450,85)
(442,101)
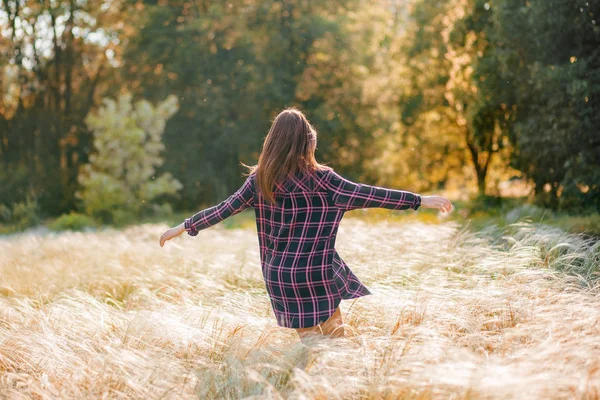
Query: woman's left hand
(439,202)
(171,233)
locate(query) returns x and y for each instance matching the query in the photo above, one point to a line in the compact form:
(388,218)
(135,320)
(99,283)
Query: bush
(487,204)
(121,182)
(72,222)
(123,217)
(588,224)
(15,183)
(161,210)
(21,215)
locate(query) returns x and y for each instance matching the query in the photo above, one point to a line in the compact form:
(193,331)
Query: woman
(298,205)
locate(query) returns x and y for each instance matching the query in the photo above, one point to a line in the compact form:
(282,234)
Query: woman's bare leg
(333,328)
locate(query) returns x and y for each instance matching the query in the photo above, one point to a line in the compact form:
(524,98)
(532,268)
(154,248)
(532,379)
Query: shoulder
(322,175)
(323,170)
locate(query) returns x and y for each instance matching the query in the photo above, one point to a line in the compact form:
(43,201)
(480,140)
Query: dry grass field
(504,313)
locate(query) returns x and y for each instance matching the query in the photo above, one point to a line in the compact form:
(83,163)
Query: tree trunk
(481,175)
(480,167)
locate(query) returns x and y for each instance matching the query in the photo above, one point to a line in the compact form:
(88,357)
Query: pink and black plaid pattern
(305,277)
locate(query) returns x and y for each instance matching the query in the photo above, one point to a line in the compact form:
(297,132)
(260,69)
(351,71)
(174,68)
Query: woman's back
(303,213)
(300,227)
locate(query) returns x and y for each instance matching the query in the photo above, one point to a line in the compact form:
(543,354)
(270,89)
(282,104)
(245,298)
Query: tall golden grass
(495,314)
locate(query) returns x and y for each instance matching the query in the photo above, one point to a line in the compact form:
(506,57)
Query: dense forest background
(158,102)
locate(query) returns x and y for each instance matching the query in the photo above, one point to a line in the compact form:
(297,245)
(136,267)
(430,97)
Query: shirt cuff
(417,202)
(187,224)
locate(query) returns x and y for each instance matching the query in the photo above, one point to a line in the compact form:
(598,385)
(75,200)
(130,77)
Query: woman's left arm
(234,204)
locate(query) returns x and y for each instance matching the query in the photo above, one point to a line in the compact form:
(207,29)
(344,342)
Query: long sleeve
(350,196)
(234,204)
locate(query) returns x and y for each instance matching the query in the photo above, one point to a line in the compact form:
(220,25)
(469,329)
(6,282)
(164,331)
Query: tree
(120,179)
(448,53)
(550,52)
(51,70)
(234,65)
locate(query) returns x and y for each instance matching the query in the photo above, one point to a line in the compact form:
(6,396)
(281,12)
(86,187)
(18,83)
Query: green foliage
(548,51)
(20,215)
(235,65)
(508,74)
(452,102)
(588,224)
(511,212)
(72,222)
(14,184)
(50,77)
(485,203)
(422,95)
(121,179)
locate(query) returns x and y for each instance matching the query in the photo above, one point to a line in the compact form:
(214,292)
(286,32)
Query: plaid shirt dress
(305,277)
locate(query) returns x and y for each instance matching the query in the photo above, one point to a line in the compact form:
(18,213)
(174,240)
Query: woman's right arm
(234,204)
(237,202)
(349,195)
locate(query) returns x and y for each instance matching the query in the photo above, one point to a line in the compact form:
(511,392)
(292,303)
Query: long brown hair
(289,148)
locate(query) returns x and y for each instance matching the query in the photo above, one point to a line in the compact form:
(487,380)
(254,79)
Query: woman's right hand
(171,233)
(439,202)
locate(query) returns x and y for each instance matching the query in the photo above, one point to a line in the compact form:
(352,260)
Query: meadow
(457,312)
